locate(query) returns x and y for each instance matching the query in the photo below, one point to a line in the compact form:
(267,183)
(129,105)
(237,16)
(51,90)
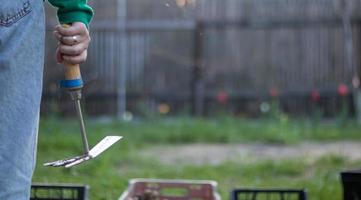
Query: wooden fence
(189,63)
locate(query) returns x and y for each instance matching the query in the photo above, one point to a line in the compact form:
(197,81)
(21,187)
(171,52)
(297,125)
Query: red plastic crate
(156,189)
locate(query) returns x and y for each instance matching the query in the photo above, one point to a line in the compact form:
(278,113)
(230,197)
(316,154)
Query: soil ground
(213,154)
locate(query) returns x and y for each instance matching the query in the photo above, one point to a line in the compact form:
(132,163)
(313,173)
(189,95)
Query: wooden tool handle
(71,71)
(73,80)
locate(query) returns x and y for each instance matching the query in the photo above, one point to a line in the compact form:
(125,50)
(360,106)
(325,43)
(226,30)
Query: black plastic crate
(59,192)
(268,194)
(351,181)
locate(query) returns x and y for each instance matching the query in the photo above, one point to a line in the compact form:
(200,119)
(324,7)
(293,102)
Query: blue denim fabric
(22,33)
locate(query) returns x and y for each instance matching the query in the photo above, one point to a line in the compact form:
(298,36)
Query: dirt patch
(214,154)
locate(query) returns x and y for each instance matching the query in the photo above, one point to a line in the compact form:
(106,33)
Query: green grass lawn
(108,175)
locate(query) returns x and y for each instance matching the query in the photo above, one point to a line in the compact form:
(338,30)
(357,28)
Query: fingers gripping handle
(72,74)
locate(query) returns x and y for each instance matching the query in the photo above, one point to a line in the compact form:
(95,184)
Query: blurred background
(249,93)
(200,57)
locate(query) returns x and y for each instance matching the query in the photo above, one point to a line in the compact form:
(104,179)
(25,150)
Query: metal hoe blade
(103,145)
(64,162)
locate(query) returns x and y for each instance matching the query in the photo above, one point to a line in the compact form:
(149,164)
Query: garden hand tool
(73,83)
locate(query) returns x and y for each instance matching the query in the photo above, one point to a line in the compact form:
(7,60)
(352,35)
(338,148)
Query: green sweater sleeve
(70,11)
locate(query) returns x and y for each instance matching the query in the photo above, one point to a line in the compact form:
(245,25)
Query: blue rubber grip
(76,83)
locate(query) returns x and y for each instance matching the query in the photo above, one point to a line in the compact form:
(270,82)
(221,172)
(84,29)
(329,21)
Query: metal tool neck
(75,94)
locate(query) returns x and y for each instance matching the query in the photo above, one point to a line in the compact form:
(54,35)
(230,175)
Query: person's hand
(73,43)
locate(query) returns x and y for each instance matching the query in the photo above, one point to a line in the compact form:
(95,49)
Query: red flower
(342,90)
(222,97)
(274,92)
(315,95)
